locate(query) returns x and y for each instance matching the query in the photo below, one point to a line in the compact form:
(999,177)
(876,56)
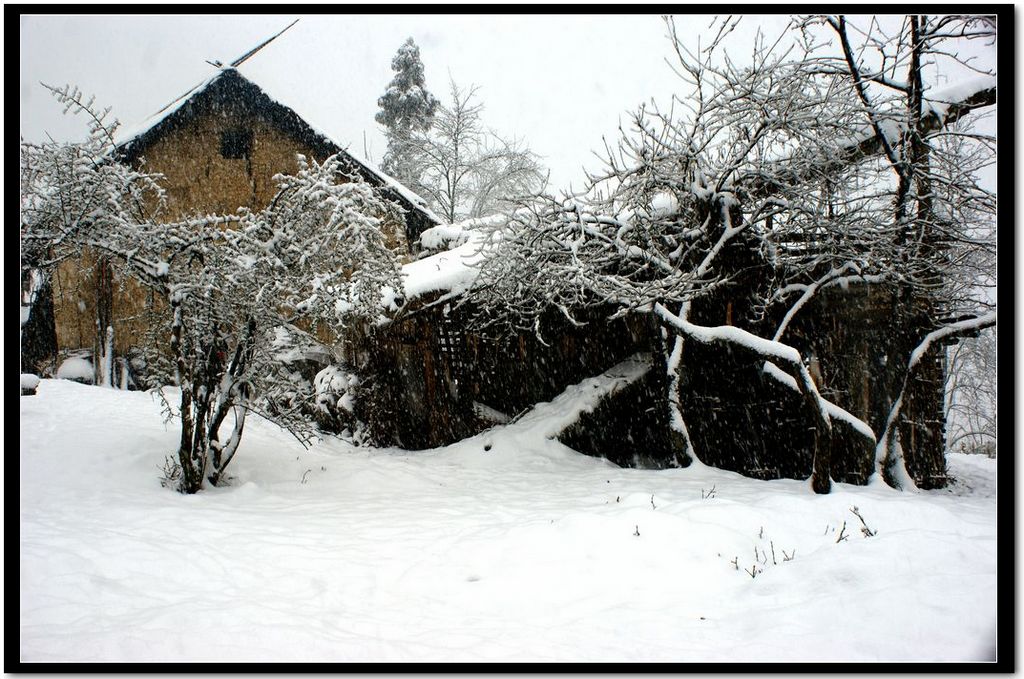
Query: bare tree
(228,285)
(774,180)
(941,212)
(972,393)
(466,169)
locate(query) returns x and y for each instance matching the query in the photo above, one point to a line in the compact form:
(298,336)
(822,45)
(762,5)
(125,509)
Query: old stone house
(218,147)
(436,378)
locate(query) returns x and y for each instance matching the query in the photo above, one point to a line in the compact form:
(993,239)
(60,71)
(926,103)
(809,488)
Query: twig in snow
(865,530)
(304,475)
(171,473)
(708,495)
(637,531)
(772,545)
(653,506)
(842,535)
(788,557)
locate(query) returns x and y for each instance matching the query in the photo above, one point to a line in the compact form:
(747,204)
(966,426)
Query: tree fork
(888,463)
(820,476)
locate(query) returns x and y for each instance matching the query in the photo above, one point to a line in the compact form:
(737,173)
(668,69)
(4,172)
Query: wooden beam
(237,62)
(788,172)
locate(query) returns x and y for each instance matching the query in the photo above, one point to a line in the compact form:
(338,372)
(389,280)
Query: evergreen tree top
(406,104)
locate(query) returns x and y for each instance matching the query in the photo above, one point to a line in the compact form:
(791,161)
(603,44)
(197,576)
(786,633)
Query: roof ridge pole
(237,62)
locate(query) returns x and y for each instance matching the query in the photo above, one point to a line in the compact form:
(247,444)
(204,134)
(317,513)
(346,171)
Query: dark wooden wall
(427,370)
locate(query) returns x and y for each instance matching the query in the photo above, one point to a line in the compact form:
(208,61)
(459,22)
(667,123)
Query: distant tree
(229,286)
(972,394)
(405,109)
(468,170)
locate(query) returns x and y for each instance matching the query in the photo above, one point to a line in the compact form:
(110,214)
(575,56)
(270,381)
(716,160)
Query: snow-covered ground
(505,547)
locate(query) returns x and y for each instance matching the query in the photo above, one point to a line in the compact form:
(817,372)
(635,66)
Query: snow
(664,205)
(29,381)
(731,335)
(334,384)
(981,322)
(286,351)
(547,420)
(449,236)
(939,100)
(838,413)
(505,547)
(75,368)
(453,271)
(490,414)
(450,271)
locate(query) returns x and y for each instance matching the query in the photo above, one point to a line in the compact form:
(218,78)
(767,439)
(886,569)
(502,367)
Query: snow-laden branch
(888,453)
(943,109)
(835,411)
(780,354)
(833,278)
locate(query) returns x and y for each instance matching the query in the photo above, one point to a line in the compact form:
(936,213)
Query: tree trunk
(784,357)
(889,463)
(103,346)
(39,333)
(192,470)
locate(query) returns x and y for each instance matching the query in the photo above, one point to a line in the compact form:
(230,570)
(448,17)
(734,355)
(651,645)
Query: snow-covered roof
(131,140)
(127,135)
(452,270)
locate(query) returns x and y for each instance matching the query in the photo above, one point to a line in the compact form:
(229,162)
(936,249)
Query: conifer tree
(405,108)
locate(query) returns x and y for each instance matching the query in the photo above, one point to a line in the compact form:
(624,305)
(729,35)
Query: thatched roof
(228,91)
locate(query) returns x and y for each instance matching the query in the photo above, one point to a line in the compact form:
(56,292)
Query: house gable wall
(198,179)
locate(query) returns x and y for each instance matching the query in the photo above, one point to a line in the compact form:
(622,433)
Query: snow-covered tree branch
(763,186)
(227,287)
(466,170)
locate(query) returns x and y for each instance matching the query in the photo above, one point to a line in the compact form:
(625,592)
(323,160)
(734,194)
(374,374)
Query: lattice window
(452,344)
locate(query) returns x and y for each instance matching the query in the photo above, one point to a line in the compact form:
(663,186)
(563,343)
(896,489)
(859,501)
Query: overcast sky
(558,82)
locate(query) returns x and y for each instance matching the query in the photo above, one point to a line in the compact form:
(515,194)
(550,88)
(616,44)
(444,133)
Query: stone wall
(198,179)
